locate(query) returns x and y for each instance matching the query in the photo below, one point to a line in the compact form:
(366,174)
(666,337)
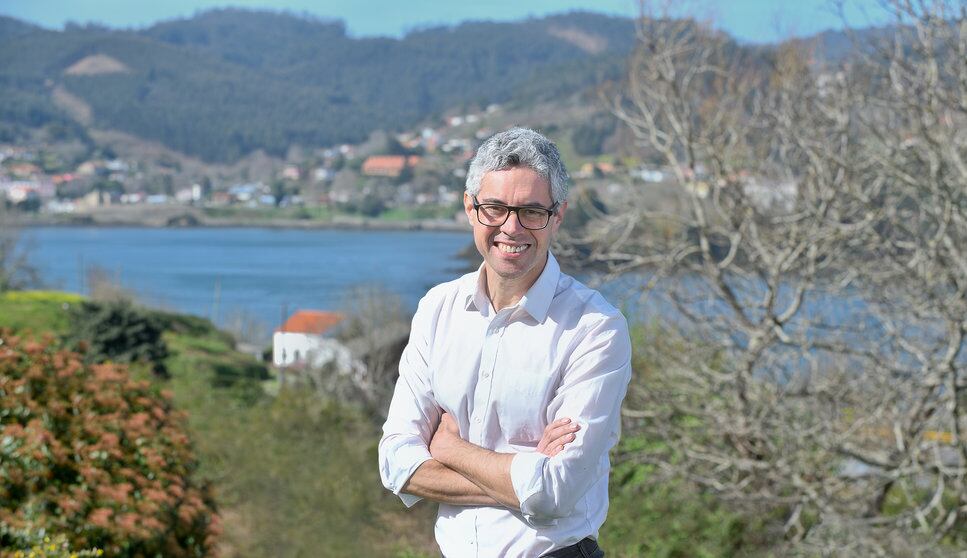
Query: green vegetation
(227,82)
(37,311)
(256,214)
(369,207)
(91,454)
(291,474)
(589,137)
(419,212)
(294,473)
(667,519)
(118,331)
(28,543)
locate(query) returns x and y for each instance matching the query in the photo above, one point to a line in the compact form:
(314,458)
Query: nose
(512,225)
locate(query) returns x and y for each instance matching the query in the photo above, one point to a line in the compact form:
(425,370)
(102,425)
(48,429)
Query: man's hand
(557,434)
(488,470)
(447,436)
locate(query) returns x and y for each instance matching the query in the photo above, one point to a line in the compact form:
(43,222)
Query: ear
(559,216)
(468,207)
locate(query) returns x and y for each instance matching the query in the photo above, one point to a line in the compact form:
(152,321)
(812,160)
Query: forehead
(517,184)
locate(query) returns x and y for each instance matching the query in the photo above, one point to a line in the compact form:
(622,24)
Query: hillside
(228,82)
(295,472)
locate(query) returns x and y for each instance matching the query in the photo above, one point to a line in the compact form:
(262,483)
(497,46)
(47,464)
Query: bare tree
(377,330)
(813,286)
(361,364)
(16,271)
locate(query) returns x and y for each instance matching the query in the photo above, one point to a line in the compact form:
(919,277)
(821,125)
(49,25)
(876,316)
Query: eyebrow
(502,202)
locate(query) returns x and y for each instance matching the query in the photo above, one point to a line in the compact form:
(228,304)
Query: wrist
(449,449)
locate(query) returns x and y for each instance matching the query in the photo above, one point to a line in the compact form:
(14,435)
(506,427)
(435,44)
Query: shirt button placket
(481,400)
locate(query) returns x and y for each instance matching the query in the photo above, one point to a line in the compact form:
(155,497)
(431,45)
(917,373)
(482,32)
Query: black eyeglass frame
(515,209)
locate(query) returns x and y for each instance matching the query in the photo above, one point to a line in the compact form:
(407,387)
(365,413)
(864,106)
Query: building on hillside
(24,170)
(323,174)
(291,172)
(647,174)
(94,199)
(88,168)
(19,191)
(595,170)
(304,333)
(391,166)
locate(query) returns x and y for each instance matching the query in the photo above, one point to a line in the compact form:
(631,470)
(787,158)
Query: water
(250,272)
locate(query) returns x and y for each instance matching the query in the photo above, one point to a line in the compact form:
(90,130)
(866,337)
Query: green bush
(668,519)
(120,332)
(37,543)
(89,452)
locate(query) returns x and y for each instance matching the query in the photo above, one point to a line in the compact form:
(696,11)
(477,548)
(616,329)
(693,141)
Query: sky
(757,21)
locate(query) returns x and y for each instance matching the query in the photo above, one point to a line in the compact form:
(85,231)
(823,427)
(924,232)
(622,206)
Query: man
(497,363)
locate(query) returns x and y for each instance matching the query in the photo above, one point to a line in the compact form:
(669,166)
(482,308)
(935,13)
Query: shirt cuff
(527,478)
(408,458)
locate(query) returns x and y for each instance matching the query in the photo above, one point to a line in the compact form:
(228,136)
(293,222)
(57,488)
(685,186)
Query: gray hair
(519,147)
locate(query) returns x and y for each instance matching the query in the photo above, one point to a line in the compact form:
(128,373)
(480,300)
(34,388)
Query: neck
(507,291)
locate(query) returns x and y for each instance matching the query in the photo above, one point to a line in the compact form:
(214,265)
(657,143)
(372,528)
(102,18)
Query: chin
(511,269)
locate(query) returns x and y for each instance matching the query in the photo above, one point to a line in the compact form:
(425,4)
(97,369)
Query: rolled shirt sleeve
(413,414)
(592,388)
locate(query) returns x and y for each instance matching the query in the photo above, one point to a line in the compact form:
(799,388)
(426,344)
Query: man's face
(510,251)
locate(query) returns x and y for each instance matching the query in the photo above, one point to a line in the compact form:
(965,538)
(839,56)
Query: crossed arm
(422,455)
(462,473)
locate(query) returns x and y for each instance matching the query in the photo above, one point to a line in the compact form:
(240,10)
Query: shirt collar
(537,300)
(476,296)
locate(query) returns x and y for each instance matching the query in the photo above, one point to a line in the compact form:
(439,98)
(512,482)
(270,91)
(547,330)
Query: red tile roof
(311,321)
(388,165)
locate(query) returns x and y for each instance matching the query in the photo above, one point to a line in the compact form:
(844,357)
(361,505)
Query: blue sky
(749,20)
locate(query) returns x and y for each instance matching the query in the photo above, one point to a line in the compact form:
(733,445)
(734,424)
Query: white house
(302,335)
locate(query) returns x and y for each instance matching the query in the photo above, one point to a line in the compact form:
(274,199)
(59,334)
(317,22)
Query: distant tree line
(229,82)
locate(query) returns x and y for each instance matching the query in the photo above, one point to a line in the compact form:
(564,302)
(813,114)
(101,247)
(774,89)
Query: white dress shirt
(562,351)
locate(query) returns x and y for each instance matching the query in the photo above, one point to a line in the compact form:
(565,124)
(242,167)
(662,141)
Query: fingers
(557,425)
(555,450)
(556,435)
(556,432)
(548,434)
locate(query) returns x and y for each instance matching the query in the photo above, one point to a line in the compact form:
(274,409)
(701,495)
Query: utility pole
(216,299)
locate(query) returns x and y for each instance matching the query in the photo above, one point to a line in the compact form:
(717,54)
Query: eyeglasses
(496,214)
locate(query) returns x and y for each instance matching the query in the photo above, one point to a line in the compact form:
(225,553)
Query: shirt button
(477,420)
(486,374)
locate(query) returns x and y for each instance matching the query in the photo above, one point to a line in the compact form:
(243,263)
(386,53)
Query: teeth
(512,249)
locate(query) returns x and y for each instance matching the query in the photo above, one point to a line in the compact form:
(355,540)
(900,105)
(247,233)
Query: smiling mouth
(511,248)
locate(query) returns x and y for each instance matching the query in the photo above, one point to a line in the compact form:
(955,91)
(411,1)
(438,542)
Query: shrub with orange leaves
(87,451)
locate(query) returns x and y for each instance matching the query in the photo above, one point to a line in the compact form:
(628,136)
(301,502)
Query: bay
(255,274)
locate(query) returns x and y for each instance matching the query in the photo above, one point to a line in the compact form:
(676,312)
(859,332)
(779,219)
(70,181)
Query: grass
(668,519)
(418,213)
(327,214)
(296,475)
(317,213)
(36,312)
(293,475)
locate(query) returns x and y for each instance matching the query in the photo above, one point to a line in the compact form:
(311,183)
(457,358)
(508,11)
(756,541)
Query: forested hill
(227,82)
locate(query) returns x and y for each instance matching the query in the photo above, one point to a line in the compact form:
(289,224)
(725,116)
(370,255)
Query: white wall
(289,348)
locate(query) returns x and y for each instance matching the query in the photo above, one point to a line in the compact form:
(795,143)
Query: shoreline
(194,219)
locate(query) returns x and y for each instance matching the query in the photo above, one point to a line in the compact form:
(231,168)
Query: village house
(302,334)
(390,166)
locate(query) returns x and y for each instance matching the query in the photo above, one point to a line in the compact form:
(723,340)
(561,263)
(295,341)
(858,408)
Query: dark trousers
(586,548)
